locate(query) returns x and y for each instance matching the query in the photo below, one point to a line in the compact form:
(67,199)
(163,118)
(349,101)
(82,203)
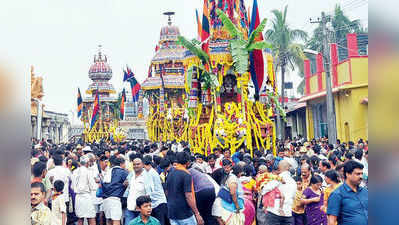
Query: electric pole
(331,124)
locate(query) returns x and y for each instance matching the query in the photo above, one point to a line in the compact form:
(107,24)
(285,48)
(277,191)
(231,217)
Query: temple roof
(100,73)
(170,81)
(168,49)
(170,53)
(100,64)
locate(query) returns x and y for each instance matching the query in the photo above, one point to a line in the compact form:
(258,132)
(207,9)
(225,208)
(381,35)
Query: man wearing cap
(87,149)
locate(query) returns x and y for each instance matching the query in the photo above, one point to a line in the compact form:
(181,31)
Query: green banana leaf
(195,42)
(193,48)
(277,105)
(214,81)
(229,25)
(190,76)
(240,55)
(255,33)
(259,45)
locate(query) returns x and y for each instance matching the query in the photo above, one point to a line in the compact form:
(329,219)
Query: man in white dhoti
(84,183)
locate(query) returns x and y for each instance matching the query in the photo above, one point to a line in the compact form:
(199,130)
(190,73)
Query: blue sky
(60,38)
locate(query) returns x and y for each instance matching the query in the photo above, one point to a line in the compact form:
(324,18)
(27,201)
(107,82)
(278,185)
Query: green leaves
(259,45)
(229,25)
(214,80)
(256,32)
(193,48)
(277,105)
(209,79)
(189,77)
(240,55)
(239,47)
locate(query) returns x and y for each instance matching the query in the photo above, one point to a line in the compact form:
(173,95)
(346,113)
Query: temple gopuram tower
(164,87)
(100,74)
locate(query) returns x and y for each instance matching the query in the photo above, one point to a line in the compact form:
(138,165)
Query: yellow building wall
(313,84)
(360,70)
(351,115)
(343,73)
(344,114)
(323,77)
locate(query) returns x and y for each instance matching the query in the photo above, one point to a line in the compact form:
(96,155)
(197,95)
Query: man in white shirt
(139,184)
(59,172)
(281,214)
(84,184)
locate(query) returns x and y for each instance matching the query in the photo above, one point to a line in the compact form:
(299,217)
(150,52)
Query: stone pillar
(60,138)
(34,126)
(56,134)
(45,128)
(53,130)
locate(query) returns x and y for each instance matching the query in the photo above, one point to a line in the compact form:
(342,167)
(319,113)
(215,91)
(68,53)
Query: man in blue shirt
(348,204)
(157,194)
(114,185)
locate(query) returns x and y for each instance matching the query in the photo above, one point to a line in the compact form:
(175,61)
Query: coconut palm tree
(341,25)
(286,49)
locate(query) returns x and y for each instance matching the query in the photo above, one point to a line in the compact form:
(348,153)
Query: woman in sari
(249,187)
(229,204)
(313,200)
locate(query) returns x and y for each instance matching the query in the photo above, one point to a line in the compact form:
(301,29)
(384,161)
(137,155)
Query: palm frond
(228,24)
(256,32)
(285,13)
(298,34)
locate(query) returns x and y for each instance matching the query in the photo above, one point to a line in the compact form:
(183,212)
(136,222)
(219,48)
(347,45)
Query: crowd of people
(141,182)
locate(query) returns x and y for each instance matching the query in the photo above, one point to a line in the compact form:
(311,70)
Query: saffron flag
(135,86)
(256,56)
(122,108)
(80,103)
(205,28)
(96,110)
(199,26)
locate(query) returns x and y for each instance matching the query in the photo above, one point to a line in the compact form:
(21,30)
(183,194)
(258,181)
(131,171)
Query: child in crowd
(58,206)
(298,209)
(270,197)
(143,203)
